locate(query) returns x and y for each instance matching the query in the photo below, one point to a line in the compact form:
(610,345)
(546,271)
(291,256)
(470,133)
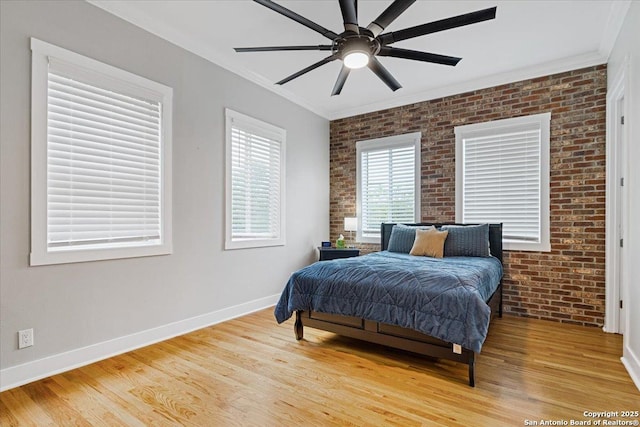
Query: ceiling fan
(358,47)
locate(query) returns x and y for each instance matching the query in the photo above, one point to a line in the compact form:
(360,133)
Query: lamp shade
(351,224)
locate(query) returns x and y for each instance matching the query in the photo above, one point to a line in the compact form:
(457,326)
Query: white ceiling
(527,39)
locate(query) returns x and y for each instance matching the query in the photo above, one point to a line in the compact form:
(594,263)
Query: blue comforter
(441,297)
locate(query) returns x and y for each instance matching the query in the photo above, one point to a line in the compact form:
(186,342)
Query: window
(101,160)
(502,175)
(388,183)
(255,183)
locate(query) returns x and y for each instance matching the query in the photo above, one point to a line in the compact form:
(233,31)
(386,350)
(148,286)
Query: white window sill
(510,245)
(44,257)
(254,243)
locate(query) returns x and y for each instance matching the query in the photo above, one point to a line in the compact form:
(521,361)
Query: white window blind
(103,165)
(503,178)
(255,174)
(388,183)
(101,160)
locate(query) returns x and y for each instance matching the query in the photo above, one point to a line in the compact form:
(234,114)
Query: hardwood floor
(252,372)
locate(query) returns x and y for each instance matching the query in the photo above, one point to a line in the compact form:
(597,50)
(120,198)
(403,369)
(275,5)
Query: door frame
(616,278)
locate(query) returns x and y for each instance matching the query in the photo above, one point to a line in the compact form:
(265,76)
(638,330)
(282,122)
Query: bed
(437,307)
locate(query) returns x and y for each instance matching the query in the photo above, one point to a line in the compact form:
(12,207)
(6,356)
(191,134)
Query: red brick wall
(566,284)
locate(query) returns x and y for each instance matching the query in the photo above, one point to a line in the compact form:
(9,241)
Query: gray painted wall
(76,305)
(628,44)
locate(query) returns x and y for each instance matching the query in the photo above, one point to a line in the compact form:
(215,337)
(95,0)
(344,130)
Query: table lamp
(351,225)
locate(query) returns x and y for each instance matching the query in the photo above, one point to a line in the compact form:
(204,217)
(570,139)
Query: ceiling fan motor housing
(349,42)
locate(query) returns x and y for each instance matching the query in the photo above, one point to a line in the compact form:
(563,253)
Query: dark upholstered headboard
(495,235)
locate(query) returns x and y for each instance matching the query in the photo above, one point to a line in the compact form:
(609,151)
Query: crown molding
(545,69)
(618,11)
(124,10)
(617,14)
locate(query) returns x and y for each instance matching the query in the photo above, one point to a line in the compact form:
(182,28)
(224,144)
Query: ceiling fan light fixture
(356,59)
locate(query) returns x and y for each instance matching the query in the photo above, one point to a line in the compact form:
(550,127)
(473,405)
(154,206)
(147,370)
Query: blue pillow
(402,237)
(467,240)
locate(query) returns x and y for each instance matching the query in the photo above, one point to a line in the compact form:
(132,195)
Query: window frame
(542,121)
(396,141)
(230,243)
(40,253)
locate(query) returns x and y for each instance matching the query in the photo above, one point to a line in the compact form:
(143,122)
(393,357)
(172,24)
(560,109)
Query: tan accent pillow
(429,243)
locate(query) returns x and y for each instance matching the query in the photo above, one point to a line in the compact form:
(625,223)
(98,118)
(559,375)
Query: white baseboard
(16,376)
(631,361)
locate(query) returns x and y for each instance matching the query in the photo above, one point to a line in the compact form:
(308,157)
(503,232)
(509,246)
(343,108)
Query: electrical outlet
(25,338)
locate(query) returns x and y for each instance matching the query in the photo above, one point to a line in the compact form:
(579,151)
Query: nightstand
(327,254)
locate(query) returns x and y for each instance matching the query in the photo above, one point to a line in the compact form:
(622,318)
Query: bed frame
(398,337)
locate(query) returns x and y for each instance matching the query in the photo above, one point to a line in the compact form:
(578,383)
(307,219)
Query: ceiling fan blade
(309,68)
(389,15)
(275,48)
(441,25)
(342,77)
(299,19)
(418,56)
(350,15)
(375,66)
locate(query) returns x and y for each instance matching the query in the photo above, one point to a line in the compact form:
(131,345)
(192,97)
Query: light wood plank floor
(252,372)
